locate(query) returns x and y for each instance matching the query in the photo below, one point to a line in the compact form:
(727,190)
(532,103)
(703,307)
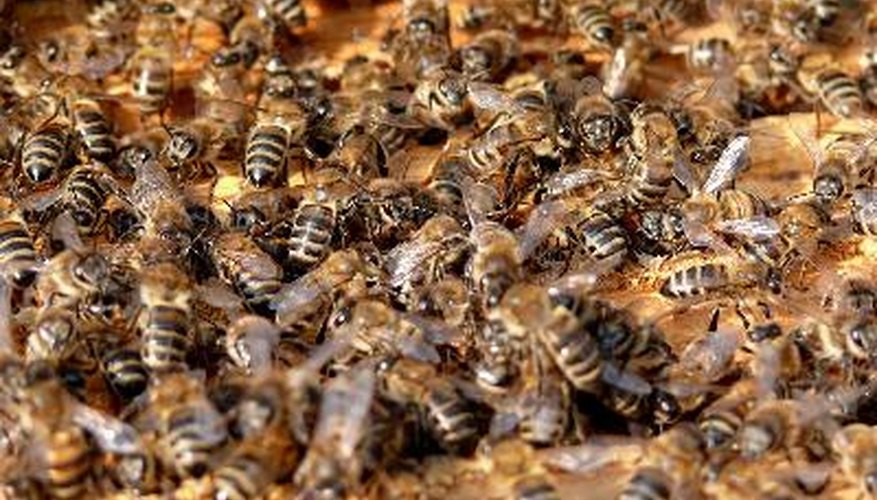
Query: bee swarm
(527,249)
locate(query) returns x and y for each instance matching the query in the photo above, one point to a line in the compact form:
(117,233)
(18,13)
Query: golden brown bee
(189,426)
(165,320)
(270,139)
(82,194)
(18,257)
(655,149)
(156,197)
(441,98)
(450,418)
(45,150)
(694,273)
(594,22)
(489,55)
(835,89)
(244,266)
(853,445)
(93,127)
(152,77)
(332,466)
(592,122)
(124,370)
(290,13)
(420,260)
(311,229)
(495,264)
(255,464)
(54,336)
(73,278)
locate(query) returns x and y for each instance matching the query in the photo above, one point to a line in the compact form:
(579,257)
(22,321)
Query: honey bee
(708,55)
(441,98)
(190,428)
(244,266)
(250,343)
(545,406)
(856,463)
(311,229)
(838,168)
(18,257)
(54,336)
(82,194)
(489,55)
(254,465)
(835,89)
(624,73)
(197,141)
(23,70)
(73,278)
(595,23)
(165,320)
(420,260)
(654,142)
(91,125)
(332,465)
(152,71)
(495,264)
(123,369)
(695,273)
(159,203)
(45,150)
(269,141)
(290,14)
(450,418)
(592,122)
(359,154)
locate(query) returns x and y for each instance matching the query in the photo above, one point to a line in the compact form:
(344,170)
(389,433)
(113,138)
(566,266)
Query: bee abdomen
(291,11)
(17,252)
(578,357)
(535,488)
(840,93)
(595,23)
(265,153)
(165,339)
(152,86)
(95,131)
(242,478)
(126,372)
(720,427)
(69,463)
(44,151)
(451,419)
(310,239)
(647,484)
(602,237)
(695,280)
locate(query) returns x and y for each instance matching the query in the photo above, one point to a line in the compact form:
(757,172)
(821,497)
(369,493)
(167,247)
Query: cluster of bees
(229,281)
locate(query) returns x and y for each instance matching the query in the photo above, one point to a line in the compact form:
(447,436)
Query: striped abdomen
(165,338)
(243,477)
(68,463)
(192,440)
(840,93)
(602,237)
(84,199)
(698,279)
(451,419)
(153,81)
(292,12)
(125,372)
(18,259)
(44,151)
(310,239)
(94,130)
(265,156)
(594,23)
(575,353)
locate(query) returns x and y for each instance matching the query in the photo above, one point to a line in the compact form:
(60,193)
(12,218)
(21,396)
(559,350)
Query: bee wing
(865,201)
(597,453)
(41,202)
(579,281)
(344,410)
(733,158)
(418,349)
(712,353)
(563,182)
(480,199)
(111,434)
(293,296)
(683,173)
(544,219)
(64,229)
(701,236)
(406,258)
(625,380)
(758,227)
(489,98)
(217,294)
(435,331)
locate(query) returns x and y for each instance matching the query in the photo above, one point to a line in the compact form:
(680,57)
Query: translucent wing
(215,293)
(564,182)
(111,434)
(407,258)
(344,410)
(294,296)
(480,200)
(65,230)
(491,99)
(257,338)
(732,160)
(434,331)
(541,222)
(683,173)
(625,380)
(865,202)
(758,227)
(711,354)
(597,453)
